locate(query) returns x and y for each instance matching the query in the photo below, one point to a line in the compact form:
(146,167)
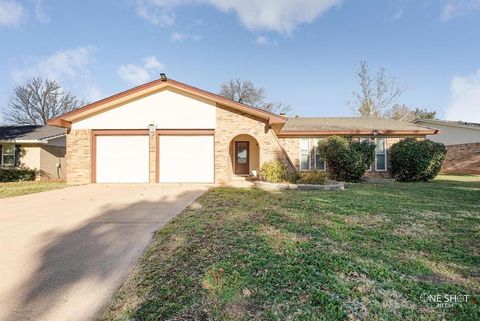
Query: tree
(401,112)
(37,101)
(404,113)
(424,113)
(245,92)
(376,96)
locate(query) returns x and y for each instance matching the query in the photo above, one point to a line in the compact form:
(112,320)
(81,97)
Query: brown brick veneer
(462,159)
(79,156)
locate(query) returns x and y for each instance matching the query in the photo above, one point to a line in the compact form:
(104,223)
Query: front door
(242,158)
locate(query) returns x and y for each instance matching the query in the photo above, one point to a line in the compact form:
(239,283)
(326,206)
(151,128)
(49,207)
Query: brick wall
(232,123)
(79,156)
(291,146)
(462,159)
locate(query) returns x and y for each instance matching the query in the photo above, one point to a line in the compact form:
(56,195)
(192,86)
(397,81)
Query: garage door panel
(186,159)
(122,159)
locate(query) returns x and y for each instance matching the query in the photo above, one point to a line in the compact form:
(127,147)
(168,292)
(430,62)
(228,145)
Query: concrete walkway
(63,253)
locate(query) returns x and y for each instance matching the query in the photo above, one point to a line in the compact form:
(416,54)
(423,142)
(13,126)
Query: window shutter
(17,156)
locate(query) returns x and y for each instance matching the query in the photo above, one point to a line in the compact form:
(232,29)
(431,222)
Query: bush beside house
(277,172)
(416,160)
(274,172)
(347,159)
(17,174)
(311,177)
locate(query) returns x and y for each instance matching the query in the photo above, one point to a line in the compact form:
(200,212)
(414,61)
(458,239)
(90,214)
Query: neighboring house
(463,144)
(41,148)
(166,131)
(452,132)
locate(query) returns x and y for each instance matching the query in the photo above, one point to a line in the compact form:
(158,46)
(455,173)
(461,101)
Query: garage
(186,159)
(121,159)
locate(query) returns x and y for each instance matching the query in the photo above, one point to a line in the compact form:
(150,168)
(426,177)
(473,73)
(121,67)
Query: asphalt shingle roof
(29,132)
(457,123)
(347,124)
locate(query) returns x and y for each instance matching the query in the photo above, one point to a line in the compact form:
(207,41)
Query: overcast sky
(303,52)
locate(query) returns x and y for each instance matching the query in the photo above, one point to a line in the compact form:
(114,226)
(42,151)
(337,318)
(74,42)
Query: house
(463,144)
(452,132)
(41,148)
(166,131)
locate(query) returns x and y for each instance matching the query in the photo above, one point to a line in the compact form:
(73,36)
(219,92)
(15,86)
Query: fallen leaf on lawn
(206,285)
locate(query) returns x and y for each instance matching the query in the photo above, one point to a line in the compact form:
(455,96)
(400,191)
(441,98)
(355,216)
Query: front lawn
(22,188)
(371,252)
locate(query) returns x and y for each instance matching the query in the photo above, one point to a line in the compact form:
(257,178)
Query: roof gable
(149,88)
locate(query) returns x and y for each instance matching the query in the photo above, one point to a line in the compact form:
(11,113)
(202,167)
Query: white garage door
(122,159)
(186,159)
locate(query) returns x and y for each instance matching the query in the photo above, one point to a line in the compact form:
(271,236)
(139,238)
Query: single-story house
(166,131)
(452,132)
(41,148)
(463,144)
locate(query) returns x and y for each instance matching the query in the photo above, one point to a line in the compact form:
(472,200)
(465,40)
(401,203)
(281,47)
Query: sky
(305,53)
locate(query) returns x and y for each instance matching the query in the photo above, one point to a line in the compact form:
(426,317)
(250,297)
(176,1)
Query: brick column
(79,156)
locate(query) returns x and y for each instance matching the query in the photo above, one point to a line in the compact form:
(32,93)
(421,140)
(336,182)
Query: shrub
(312,177)
(17,174)
(347,159)
(274,172)
(416,160)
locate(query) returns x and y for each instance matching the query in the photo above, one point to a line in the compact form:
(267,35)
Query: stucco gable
(152,87)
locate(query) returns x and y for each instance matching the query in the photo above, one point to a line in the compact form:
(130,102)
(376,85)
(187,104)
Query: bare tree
(276,107)
(37,101)
(401,112)
(244,91)
(376,95)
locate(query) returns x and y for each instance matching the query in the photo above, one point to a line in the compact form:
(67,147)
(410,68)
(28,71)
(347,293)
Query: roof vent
(283,114)
(163,77)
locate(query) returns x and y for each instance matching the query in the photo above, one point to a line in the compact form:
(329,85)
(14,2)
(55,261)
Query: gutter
(355,132)
(25,141)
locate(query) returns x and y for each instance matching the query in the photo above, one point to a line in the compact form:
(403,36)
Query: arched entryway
(245,155)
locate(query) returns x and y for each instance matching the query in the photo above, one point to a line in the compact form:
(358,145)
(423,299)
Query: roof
(66,119)
(350,126)
(453,123)
(30,133)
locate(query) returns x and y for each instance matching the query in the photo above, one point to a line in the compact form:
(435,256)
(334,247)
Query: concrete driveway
(63,253)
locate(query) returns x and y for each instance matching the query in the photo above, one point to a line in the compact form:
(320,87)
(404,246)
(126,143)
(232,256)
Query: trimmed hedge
(17,174)
(347,159)
(415,160)
(311,177)
(277,172)
(274,172)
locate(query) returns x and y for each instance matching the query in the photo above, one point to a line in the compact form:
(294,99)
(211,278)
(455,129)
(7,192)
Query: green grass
(23,188)
(366,253)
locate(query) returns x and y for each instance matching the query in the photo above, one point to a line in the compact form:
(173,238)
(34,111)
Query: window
(8,155)
(304,154)
(380,155)
(319,163)
(367,140)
